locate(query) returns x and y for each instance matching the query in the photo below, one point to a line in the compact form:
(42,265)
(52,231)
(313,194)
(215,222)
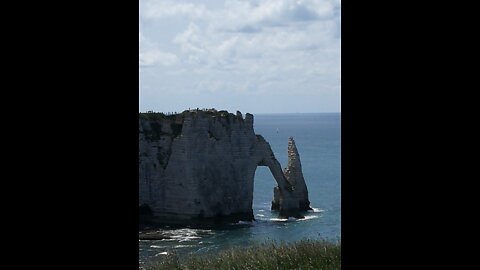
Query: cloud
(302,13)
(191,40)
(150,55)
(155,56)
(248,29)
(242,34)
(253,16)
(158,9)
(275,47)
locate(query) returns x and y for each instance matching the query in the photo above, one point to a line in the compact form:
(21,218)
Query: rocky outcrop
(294,175)
(200,165)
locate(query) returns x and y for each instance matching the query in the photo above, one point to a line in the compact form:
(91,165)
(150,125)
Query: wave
(292,219)
(189,238)
(154,246)
(279,219)
(182,246)
(307,218)
(168,239)
(244,222)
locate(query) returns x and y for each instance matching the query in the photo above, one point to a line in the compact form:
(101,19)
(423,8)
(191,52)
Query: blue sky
(271,56)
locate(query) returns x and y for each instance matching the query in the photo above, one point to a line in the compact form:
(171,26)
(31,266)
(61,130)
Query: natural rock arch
(290,194)
(201,165)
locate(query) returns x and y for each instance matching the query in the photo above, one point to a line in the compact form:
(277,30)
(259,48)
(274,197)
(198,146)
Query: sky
(270,56)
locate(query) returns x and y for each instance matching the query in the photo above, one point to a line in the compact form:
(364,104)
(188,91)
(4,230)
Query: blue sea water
(317,137)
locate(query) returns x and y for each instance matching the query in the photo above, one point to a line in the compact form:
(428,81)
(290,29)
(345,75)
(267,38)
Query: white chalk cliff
(200,166)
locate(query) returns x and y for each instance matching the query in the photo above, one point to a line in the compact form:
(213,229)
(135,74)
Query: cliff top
(151,115)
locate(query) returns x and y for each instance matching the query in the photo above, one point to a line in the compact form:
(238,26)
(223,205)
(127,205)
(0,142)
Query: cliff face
(201,164)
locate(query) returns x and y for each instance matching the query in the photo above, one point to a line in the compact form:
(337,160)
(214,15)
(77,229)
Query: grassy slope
(301,255)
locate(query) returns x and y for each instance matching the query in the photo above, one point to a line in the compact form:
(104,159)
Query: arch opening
(263,183)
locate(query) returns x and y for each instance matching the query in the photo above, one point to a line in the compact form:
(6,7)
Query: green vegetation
(175,120)
(156,116)
(156,120)
(176,129)
(304,254)
(155,133)
(151,115)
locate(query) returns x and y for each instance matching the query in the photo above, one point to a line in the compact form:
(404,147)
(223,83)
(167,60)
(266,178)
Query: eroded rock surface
(294,175)
(200,165)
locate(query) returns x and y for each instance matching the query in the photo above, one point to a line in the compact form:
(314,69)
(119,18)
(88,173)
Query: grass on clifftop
(304,254)
(158,116)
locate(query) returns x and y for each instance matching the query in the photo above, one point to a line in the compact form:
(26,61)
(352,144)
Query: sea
(317,137)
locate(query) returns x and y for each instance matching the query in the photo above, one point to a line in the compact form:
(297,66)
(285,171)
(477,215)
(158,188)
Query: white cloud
(151,55)
(161,8)
(191,40)
(247,16)
(268,46)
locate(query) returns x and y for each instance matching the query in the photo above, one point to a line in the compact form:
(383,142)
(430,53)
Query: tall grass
(305,254)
